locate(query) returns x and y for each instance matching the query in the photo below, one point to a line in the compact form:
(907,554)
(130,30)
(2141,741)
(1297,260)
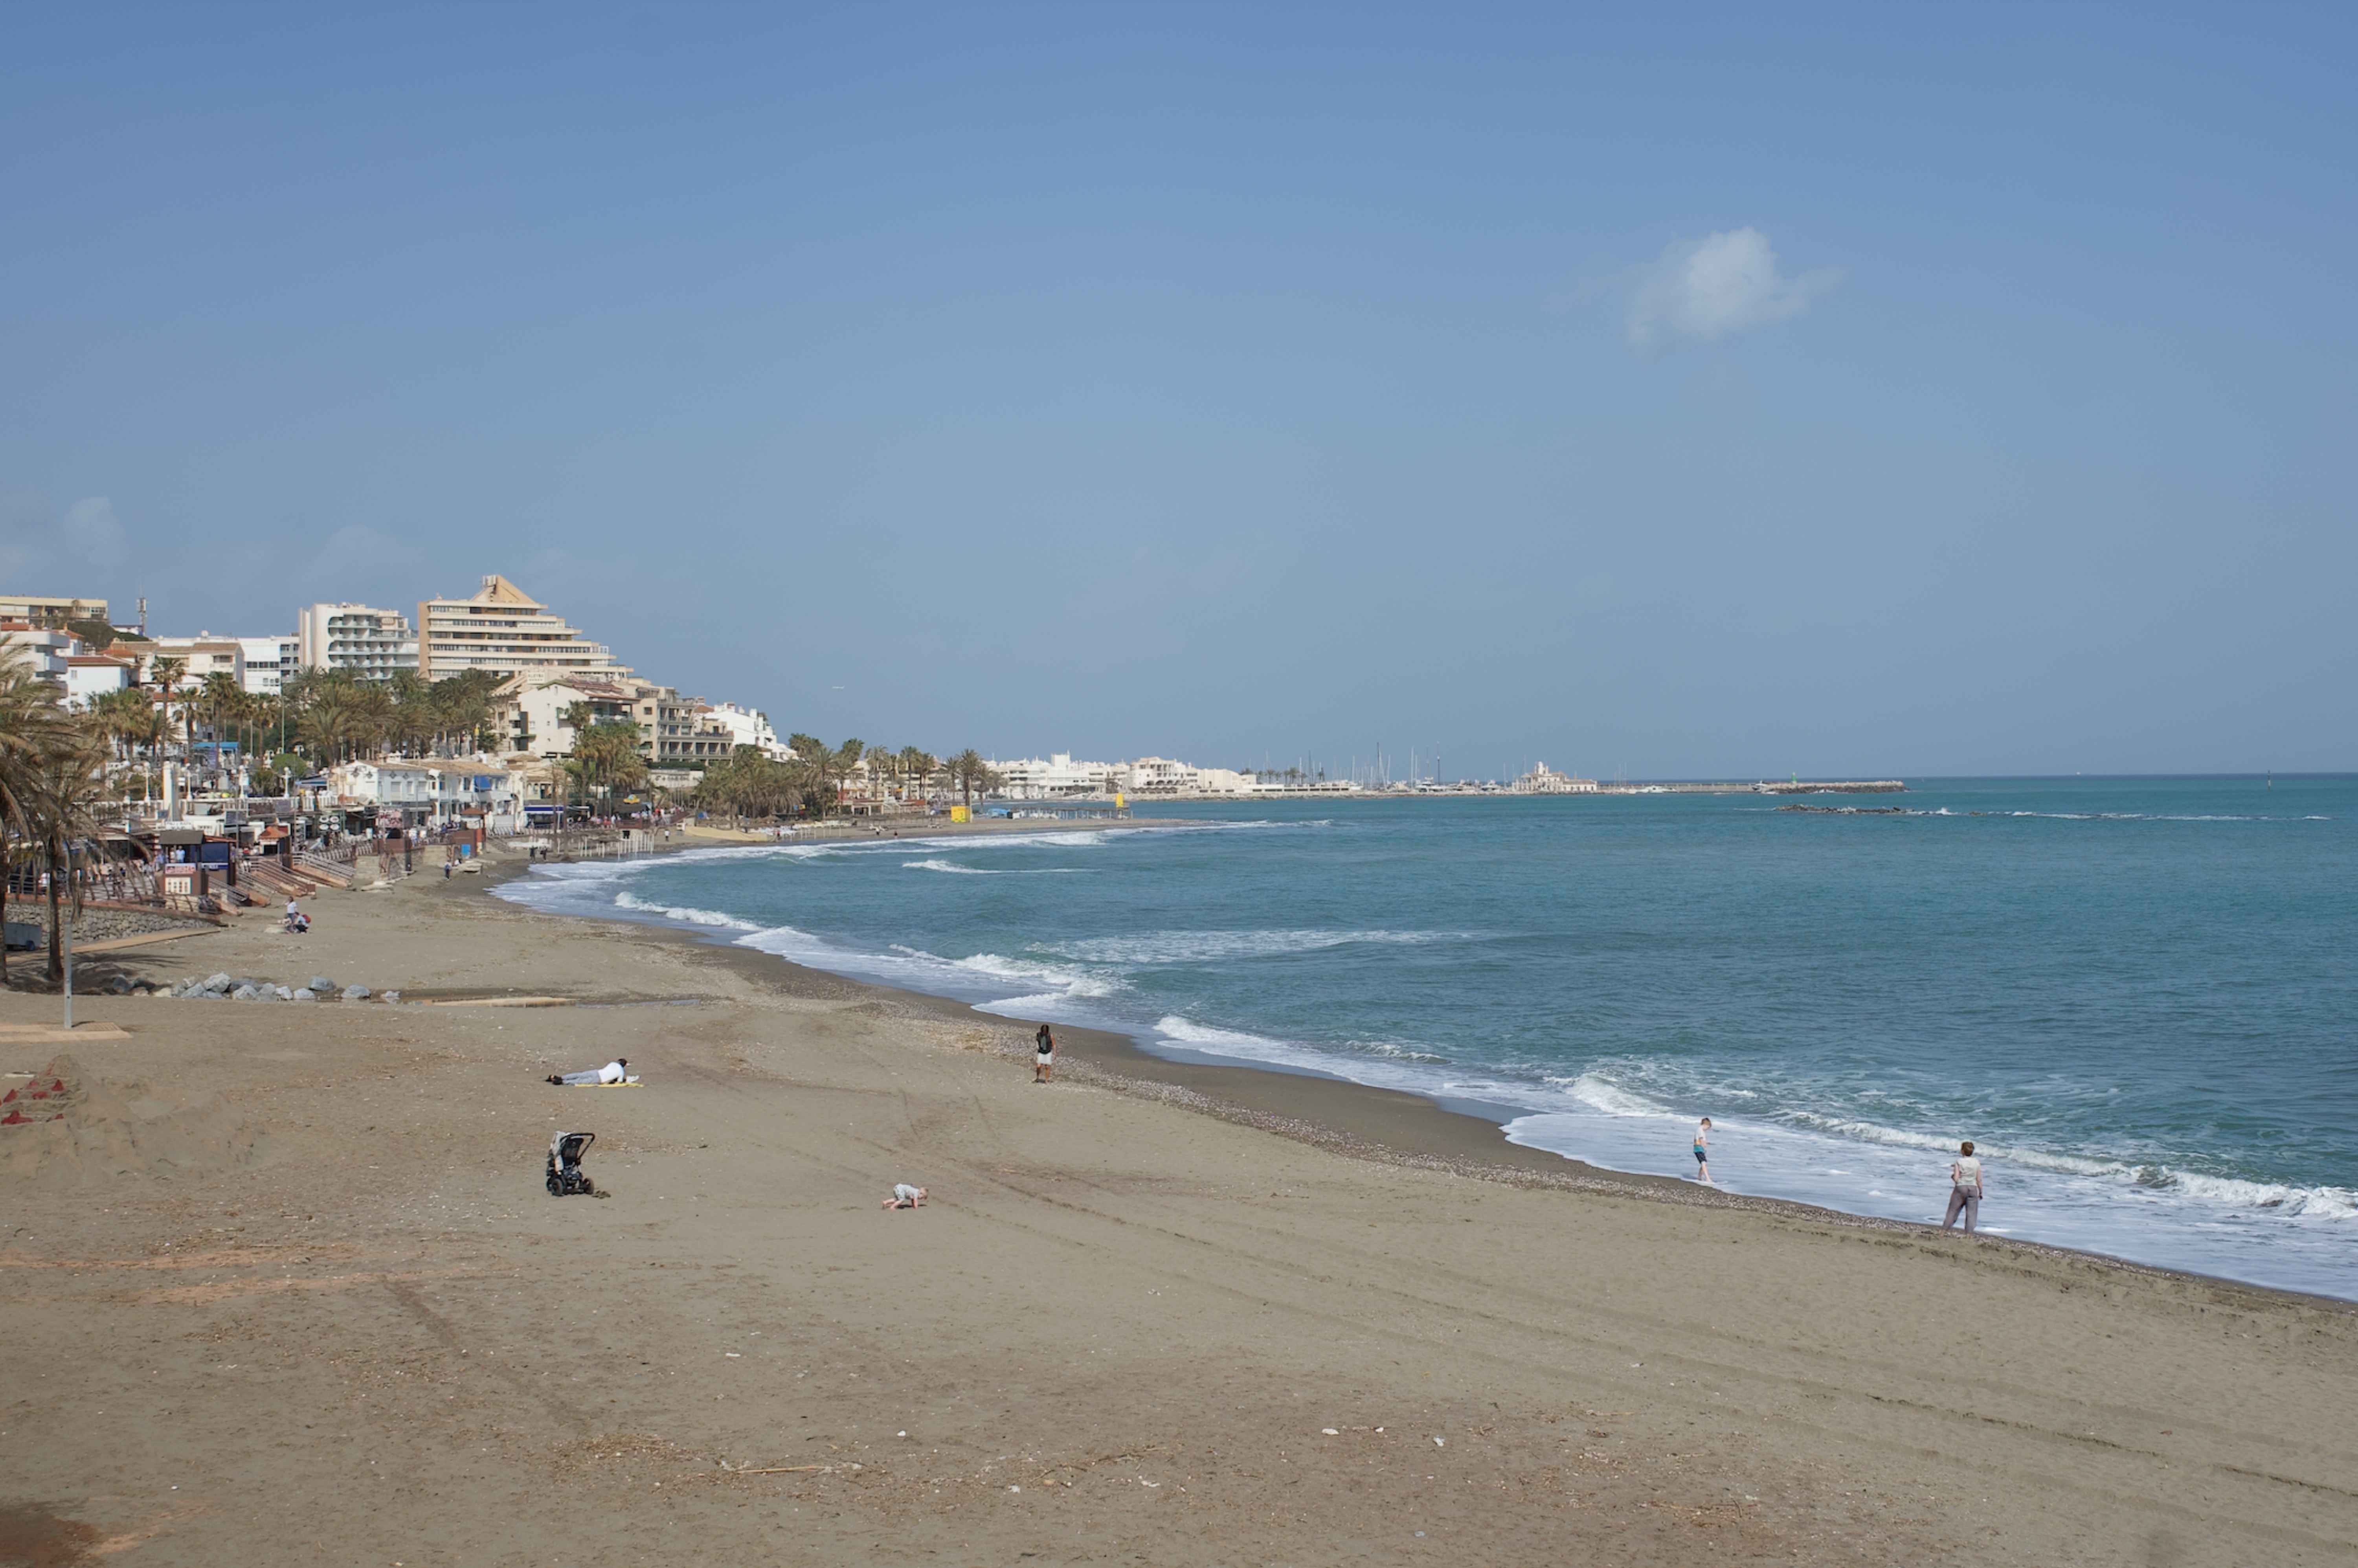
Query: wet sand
(309,1302)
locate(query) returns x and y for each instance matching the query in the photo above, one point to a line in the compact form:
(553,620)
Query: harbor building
(1543,780)
(503,629)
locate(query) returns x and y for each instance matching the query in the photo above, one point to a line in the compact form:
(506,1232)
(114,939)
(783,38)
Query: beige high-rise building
(507,631)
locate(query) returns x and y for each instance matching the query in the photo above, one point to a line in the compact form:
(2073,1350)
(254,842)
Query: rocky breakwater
(225,987)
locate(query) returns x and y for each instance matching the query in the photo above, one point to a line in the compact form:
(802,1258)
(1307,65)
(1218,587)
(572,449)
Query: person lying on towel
(613,1072)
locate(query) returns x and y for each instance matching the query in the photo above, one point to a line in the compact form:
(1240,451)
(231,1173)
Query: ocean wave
(1065,980)
(1900,1138)
(686,912)
(2317,1203)
(1604,1095)
(952,866)
(1396,1050)
(1187,1032)
(1154,947)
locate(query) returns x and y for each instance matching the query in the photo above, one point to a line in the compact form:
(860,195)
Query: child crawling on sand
(905,1196)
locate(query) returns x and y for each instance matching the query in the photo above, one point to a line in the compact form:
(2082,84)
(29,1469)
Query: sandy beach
(284,1287)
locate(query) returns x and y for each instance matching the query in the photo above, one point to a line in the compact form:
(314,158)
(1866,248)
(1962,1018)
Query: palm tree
(883,762)
(30,726)
(164,672)
(972,774)
(125,717)
(62,795)
(842,759)
(331,718)
(915,764)
(606,756)
(810,756)
(221,697)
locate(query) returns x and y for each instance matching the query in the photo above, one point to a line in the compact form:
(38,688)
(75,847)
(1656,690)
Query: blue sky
(1741,390)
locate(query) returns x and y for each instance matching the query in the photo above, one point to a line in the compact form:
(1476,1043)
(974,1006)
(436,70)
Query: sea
(2137,996)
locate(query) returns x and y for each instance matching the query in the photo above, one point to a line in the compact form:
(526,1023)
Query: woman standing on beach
(1043,1056)
(1964,1188)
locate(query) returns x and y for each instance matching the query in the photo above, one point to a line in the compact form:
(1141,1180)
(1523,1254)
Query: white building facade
(1057,777)
(431,794)
(269,661)
(745,727)
(374,645)
(1543,780)
(506,632)
(92,676)
(45,649)
(202,657)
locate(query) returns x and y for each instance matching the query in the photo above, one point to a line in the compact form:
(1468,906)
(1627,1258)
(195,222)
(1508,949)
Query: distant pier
(1765,786)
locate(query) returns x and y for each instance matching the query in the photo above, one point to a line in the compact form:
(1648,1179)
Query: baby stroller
(566,1177)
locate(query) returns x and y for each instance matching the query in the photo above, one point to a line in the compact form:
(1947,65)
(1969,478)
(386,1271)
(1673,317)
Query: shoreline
(287,1277)
(1363,1121)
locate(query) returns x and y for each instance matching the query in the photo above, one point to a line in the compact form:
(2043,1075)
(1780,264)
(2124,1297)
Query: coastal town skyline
(1046,782)
(1058,378)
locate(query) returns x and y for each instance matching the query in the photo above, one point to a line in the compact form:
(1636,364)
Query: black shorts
(1701,1155)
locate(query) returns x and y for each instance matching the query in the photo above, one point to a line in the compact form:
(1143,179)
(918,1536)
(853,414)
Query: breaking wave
(1155,947)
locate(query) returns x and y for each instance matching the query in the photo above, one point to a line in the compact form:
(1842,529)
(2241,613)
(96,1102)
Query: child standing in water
(1703,1149)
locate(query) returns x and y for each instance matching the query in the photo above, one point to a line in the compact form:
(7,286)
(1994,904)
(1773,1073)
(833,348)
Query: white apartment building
(674,731)
(429,792)
(686,734)
(45,648)
(532,713)
(200,656)
(745,727)
(269,660)
(1168,776)
(90,676)
(373,644)
(52,614)
(505,631)
(1158,775)
(1030,778)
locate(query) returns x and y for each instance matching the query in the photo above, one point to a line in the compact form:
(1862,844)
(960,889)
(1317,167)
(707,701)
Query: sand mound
(65,1128)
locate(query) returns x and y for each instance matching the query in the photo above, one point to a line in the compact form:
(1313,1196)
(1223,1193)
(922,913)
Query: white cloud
(1703,291)
(94,532)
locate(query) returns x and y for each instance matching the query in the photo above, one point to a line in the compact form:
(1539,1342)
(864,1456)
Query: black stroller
(566,1177)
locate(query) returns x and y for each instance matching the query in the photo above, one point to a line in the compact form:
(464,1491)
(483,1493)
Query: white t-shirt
(903,1193)
(611,1073)
(1966,1172)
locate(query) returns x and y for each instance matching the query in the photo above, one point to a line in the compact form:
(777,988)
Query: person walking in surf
(1043,1056)
(1702,1150)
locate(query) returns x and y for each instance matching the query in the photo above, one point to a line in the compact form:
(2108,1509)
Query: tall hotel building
(374,645)
(508,632)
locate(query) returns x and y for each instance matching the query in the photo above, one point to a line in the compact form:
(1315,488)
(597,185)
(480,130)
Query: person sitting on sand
(613,1072)
(1964,1188)
(1043,1056)
(1702,1150)
(905,1196)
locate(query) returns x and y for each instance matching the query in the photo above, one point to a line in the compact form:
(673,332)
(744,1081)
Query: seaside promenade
(286,1288)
